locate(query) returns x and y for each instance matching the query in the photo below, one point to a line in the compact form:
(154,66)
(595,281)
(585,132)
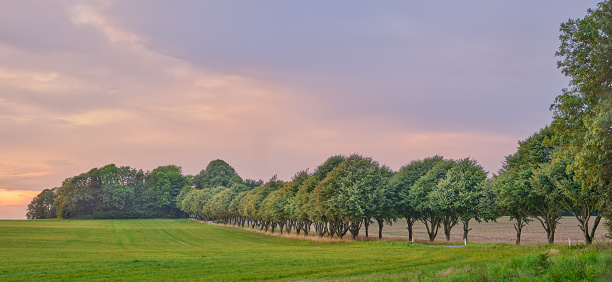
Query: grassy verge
(582,263)
(164,249)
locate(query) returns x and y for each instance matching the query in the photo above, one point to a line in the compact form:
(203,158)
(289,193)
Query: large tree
(43,205)
(217,173)
(402,182)
(514,189)
(163,184)
(305,208)
(582,118)
(547,198)
(420,196)
(512,198)
(460,193)
(353,192)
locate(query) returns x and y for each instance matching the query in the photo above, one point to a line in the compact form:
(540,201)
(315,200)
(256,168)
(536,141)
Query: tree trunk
(518,226)
(306,228)
(272,226)
(583,220)
(432,223)
(321,228)
(344,227)
(381,222)
(281,226)
(410,221)
(465,228)
(354,228)
(332,229)
(583,214)
(366,223)
(341,228)
(549,220)
(449,221)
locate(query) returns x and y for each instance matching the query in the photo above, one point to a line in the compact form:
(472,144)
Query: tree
(280,205)
(43,205)
(386,198)
(581,204)
(234,208)
(459,194)
(512,198)
(163,184)
(515,184)
(352,192)
(420,195)
(548,200)
(306,209)
(217,173)
(253,208)
(487,210)
(117,189)
(402,182)
(582,115)
(253,183)
(218,205)
(182,195)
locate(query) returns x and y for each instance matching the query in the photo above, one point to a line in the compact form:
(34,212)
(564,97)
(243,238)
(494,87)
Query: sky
(271,87)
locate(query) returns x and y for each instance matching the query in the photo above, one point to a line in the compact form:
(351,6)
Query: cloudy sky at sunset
(270,86)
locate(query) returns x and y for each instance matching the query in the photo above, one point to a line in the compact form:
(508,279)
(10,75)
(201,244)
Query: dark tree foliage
(163,184)
(217,173)
(43,205)
(121,192)
(253,183)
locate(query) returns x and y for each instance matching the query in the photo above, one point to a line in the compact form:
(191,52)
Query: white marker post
(570,242)
(465,241)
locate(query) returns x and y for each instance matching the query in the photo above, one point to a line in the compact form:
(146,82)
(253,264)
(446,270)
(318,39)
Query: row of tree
(340,196)
(345,193)
(534,184)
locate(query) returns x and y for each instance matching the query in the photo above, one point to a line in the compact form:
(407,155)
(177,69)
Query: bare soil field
(501,231)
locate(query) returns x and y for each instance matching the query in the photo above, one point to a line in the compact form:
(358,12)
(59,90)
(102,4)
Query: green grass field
(183,249)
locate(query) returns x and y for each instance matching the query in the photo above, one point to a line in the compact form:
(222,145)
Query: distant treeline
(113,192)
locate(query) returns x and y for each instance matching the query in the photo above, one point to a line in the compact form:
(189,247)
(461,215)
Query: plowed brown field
(501,231)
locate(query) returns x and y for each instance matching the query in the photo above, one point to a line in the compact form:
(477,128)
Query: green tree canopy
(420,196)
(402,182)
(354,191)
(460,193)
(43,205)
(217,173)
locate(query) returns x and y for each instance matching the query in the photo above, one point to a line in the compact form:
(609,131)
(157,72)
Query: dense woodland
(564,167)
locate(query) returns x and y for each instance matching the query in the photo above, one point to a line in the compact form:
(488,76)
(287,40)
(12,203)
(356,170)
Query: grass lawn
(182,249)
